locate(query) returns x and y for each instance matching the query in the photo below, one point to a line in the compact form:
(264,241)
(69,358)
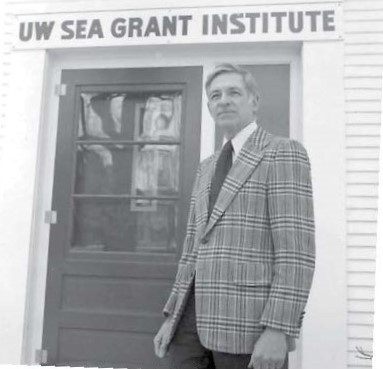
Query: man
(249,253)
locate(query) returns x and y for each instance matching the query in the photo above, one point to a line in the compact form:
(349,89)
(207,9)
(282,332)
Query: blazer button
(204,240)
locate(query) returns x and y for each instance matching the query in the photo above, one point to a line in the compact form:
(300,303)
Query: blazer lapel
(204,189)
(246,162)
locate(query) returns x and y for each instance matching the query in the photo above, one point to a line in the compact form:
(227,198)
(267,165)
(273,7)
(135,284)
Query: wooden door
(127,151)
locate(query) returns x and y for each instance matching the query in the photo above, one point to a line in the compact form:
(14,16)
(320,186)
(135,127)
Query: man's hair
(247,77)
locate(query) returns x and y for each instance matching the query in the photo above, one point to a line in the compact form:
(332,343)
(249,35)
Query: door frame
(66,264)
(132,57)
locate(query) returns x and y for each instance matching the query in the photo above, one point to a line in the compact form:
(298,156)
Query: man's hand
(162,338)
(270,350)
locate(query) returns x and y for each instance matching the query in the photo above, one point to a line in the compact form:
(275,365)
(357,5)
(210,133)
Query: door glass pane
(127,171)
(135,225)
(146,169)
(128,115)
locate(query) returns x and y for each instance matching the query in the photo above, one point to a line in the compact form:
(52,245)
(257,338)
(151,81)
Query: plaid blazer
(253,260)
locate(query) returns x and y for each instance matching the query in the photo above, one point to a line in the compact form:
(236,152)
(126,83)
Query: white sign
(182,26)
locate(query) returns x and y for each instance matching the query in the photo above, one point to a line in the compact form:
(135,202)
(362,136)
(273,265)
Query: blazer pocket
(253,274)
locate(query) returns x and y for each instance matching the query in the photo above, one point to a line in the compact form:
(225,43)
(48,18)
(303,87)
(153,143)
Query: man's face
(230,104)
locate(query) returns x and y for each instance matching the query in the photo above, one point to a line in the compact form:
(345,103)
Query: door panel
(108,347)
(127,151)
(111,294)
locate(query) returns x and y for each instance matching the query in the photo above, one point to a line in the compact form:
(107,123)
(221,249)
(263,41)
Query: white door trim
(131,57)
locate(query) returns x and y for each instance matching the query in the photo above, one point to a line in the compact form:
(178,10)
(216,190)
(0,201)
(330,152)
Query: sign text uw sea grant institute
(224,24)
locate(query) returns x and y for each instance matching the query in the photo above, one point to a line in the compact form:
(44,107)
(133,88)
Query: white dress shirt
(241,137)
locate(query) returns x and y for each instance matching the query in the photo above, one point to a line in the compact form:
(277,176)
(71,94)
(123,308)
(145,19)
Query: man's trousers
(187,352)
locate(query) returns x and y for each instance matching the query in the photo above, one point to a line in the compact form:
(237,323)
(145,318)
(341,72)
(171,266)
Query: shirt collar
(241,137)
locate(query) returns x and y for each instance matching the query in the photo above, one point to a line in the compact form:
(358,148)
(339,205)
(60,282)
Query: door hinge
(60,89)
(50,217)
(41,356)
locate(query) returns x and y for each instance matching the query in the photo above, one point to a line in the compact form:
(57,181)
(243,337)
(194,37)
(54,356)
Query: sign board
(289,22)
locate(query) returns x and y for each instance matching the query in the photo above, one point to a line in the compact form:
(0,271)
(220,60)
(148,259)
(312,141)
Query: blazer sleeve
(291,214)
(188,246)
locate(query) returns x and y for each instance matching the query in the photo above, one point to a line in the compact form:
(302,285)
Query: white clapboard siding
(361,252)
(360,318)
(360,227)
(357,117)
(362,141)
(359,330)
(362,164)
(365,215)
(366,58)
(361,293)
(361,241)
(354,27)
(362,153)
(363,49)
(356,305)
(356,360)
(363,177)
(364,93)
(364,70)
(360,279)
(363,83)
(361,265)
(370,191)
(351,16)
(362,106)
(362,5)
(359,342)
(364,38)
(363,129)
(5,49)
